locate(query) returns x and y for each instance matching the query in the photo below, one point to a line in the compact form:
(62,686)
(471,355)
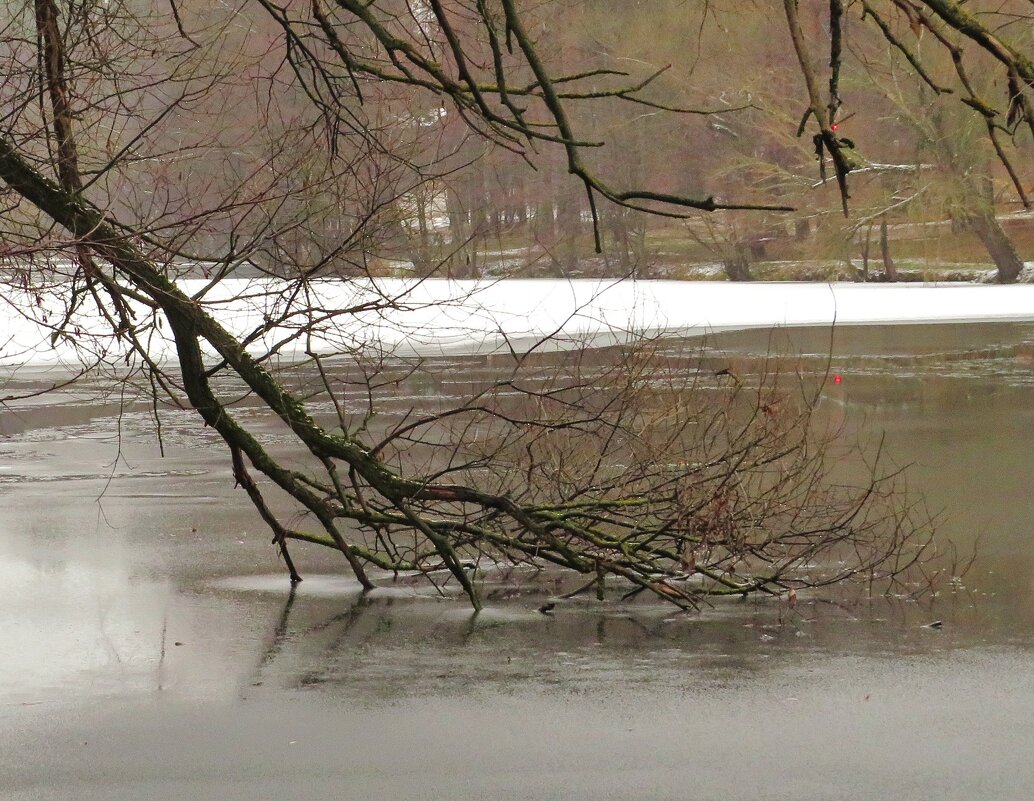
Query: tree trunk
(999,246)
(737,265)
(865,253)
(890,269)
(568,227)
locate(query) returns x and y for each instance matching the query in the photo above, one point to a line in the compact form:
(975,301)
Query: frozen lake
(150,647)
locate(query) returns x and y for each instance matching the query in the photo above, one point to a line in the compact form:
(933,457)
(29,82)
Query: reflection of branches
(279,633)
(347,620)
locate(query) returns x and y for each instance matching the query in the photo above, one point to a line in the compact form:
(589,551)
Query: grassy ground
(921,252)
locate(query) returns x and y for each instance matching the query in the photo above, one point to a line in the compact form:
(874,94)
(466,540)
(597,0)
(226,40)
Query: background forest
(719,113)
(200,125)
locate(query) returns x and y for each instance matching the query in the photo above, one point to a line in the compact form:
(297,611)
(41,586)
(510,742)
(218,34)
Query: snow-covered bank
(440,316)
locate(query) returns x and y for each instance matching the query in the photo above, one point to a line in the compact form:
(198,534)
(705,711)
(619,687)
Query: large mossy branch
(191,323)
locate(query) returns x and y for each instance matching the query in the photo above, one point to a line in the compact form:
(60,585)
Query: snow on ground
(440,316)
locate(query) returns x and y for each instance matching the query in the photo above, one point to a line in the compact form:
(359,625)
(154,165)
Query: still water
(150,648)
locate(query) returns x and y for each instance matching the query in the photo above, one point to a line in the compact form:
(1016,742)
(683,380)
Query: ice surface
(440,316)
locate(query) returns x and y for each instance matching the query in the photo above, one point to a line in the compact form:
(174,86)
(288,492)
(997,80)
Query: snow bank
(439,316)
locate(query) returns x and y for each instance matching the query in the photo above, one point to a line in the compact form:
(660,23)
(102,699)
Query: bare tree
(281,142)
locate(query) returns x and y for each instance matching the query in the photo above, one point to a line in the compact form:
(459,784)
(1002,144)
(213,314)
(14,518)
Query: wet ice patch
(323,585)
(331,586)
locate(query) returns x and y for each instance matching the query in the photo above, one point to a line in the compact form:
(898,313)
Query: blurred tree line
(927,180)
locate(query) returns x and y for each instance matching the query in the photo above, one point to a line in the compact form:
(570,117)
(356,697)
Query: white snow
(440,316)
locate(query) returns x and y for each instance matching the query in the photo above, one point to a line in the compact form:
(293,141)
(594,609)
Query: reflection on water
(142,610)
